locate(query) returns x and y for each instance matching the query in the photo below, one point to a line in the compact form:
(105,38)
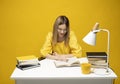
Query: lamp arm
(108,45)
(90,39)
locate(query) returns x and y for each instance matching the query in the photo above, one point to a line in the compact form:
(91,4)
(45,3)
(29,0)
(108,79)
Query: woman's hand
(62,58)
(59,57)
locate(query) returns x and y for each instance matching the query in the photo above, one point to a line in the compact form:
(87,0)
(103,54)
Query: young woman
(61,43)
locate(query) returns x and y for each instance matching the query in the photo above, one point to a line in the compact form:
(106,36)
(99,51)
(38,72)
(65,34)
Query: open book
(70,63)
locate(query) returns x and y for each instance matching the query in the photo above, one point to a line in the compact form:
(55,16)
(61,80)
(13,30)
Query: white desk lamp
(90,39)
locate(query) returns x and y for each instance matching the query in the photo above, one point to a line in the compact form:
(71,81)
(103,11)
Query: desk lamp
(90,39)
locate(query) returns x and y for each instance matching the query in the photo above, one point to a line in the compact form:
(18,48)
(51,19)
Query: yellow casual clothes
(73,48)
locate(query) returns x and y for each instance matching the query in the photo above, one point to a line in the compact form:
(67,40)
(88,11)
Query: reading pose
(61,43)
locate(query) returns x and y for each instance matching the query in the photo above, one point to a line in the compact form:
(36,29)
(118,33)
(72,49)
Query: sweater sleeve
(76,49)
(47,47)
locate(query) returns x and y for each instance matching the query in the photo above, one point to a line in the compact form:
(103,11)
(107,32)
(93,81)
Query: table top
(48,70)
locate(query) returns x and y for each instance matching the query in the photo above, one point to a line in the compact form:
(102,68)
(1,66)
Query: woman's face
(61,30)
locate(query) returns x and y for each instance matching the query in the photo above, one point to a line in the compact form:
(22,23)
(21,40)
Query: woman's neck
(61,39)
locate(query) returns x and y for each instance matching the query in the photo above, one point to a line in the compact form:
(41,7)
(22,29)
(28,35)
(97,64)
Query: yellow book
(29,57)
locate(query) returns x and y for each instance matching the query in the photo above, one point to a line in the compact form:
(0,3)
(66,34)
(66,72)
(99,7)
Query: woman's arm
(76,49)
(47,47)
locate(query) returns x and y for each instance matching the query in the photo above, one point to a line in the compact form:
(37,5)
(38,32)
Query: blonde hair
(59,21)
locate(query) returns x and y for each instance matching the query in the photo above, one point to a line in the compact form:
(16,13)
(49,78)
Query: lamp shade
(90,38)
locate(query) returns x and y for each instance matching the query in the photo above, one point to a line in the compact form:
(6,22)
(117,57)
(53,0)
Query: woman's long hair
(59,21)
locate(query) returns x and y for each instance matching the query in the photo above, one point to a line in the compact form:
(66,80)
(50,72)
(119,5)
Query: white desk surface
(47,70)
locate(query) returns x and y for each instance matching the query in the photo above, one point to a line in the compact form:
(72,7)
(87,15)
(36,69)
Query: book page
(28,62)
(71,62)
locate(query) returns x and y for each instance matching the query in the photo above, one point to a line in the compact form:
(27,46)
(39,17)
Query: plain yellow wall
(24,25)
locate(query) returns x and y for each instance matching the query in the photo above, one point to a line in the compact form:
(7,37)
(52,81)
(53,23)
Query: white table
(49,74)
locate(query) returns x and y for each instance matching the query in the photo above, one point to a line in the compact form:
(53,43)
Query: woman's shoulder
(72,33)
(49,35)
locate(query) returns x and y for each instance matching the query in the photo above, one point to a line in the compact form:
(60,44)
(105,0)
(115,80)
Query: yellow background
(24,25)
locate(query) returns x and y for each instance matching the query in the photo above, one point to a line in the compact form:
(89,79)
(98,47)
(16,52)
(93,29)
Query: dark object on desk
(41,58)
(25,67)
(97,59)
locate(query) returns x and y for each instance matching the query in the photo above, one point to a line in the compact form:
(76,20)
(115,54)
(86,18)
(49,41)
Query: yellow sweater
(73,48)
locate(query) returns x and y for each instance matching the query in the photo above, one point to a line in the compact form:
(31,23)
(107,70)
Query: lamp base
(101,71)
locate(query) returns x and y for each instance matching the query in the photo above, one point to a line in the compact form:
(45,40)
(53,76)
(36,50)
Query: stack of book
(27,62)
(97,59)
